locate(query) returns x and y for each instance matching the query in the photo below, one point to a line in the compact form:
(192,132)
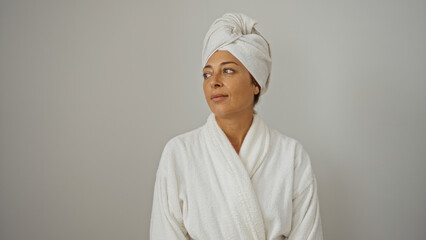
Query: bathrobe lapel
(237,170)
(255,146)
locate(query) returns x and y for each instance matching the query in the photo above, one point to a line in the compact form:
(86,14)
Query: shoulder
(285,141)
(301,162)
(184,140)
(178,149)
(293,147)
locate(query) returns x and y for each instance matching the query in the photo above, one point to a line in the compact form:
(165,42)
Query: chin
(220,111)
(224,112)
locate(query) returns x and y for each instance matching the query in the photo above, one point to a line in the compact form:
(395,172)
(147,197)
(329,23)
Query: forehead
(222,56)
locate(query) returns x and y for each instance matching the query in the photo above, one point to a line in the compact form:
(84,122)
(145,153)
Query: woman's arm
(166,216)
(306,220)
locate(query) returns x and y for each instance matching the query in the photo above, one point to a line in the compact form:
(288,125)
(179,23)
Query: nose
(216,81)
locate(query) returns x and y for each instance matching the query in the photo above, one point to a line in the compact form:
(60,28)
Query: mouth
(218,97)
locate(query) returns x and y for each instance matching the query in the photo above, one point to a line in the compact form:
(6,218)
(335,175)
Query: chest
(206,205)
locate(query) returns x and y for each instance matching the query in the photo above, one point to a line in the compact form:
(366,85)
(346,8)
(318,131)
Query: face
(228,87)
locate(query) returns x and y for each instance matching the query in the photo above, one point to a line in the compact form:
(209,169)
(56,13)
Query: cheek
(205,88)
(248,96)
(243,93)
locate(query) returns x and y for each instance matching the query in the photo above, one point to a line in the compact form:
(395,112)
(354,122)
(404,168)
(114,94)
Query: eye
(206,75)
(228,70)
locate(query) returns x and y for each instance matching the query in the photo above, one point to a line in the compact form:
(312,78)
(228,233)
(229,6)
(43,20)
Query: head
(228,86)
(234,38)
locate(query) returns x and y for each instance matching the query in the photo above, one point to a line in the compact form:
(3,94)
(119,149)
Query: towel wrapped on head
(236,33)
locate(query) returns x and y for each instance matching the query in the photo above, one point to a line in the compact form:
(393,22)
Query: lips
(218,97)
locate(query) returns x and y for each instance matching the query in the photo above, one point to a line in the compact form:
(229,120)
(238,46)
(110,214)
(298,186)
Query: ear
(256,90)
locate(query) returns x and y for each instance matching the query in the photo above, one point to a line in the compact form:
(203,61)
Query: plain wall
(90,91)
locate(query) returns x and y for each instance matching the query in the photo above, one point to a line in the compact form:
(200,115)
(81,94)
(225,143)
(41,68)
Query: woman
(235,178)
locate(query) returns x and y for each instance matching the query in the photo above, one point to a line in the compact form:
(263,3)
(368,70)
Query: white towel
(236,33)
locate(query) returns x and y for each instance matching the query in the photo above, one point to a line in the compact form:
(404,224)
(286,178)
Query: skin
(226,78)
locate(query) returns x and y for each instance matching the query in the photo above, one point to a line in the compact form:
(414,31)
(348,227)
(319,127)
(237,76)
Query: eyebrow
(224,63)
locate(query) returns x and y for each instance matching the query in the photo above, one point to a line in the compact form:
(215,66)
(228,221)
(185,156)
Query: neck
(236,127)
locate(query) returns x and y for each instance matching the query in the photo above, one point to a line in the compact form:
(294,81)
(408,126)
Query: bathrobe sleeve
(166,216)
(306,221)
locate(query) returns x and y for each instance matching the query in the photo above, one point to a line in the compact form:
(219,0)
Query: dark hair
(256,97)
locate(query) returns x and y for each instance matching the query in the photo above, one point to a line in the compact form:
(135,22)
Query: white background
(90,91)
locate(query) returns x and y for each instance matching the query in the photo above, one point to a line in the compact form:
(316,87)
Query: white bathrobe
(205,190)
